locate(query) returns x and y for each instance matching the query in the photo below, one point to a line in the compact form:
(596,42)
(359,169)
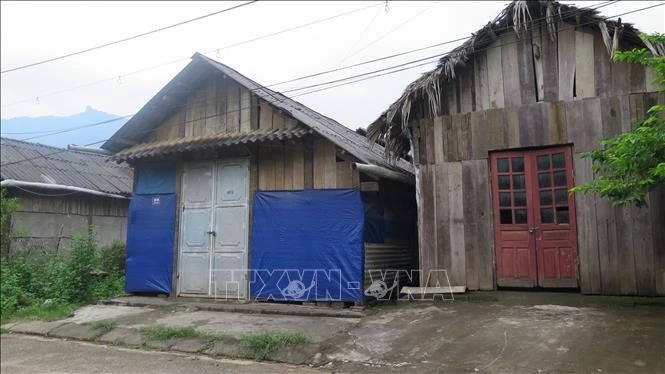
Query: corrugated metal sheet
(166,147)
(31,162)
(176,91)
(382,261)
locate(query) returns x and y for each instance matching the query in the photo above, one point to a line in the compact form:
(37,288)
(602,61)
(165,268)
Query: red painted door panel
(534,224)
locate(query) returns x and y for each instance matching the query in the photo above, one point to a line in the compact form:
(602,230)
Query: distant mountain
(44,129)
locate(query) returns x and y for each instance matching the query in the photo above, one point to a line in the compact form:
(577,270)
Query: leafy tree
(633,163)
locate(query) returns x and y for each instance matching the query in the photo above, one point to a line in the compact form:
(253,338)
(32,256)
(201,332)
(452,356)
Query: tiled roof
(32,162)
(179,145)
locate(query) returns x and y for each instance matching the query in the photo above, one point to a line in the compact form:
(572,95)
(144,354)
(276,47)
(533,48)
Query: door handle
(211,233)
(533,229)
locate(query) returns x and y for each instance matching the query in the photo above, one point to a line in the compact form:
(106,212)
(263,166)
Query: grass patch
(4,330)
(103,325)
(44,311)
(166,333)
(260,346)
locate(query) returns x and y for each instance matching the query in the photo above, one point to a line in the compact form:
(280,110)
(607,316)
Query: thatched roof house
(497,131)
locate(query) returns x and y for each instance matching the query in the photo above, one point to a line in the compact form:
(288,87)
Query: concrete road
(28,354)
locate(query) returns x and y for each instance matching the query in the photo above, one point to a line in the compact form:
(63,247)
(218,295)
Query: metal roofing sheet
(31,162)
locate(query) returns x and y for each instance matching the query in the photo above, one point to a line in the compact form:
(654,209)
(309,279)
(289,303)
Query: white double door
(213,230)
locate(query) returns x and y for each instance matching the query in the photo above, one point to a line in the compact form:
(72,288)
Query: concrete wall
(48,224)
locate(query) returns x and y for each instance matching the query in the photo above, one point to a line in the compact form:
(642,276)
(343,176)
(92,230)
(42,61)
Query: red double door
(534,218)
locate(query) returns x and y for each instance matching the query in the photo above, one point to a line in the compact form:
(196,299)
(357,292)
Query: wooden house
(63,193)
(213,131)
(497,130)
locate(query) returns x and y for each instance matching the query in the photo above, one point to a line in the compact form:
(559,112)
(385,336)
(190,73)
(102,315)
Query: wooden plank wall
(618,248)
(283,166)
(516,71)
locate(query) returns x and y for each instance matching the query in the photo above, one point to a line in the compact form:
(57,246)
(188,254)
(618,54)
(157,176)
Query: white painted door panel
(197,192)
(213,244)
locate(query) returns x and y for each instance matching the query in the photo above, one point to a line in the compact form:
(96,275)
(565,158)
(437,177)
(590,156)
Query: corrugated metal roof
(32,162)
(166,147)
(179,88)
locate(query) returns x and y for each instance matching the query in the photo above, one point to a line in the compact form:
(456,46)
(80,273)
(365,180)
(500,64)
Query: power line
(368,75)
(187,58)
(342,84)
(127,39)
(597,6)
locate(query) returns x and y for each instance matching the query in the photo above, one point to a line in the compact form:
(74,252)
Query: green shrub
(260,346)
(47,286)
(166,332)
(113,258)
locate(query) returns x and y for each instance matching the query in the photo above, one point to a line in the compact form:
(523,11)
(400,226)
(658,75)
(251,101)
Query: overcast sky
(33,31)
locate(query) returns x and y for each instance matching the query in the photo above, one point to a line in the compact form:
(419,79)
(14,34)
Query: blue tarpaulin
(150,231)
(155,177)
(307,245)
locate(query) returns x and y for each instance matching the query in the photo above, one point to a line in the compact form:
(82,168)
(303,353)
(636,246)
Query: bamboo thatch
(519,16)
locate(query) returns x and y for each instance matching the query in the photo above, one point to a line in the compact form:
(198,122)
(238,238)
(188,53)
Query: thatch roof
(519,16)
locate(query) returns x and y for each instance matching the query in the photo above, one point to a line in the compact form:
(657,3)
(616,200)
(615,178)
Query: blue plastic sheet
(307,245)
(155,178)
(150,231)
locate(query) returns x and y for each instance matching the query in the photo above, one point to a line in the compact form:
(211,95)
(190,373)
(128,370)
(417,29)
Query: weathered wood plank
(587,240)
(438,143)
(464,136)
(620,78)
(657,205)
(308,162)
(465,82)
(650,80)
(602,69)
(637,78)
(266,169)
(585,84)
(233,108)
(278,161)
(550,59)
(512,127)
(344,174)
(527,79)
(585,127)
(288,167)
(456,219)
(481,81)
(607,247)
(496,134)
(437,223)
(495,75)
(566,59)
(478,130)
(189,118)
(428,125)
(610,109)
(531,129)
(222,95)
(624,230)
(449,141)
(470,210)
(555,115)
(265,115)
(199,110)
(643,251)
(325,167)
(278,120)
(536,51)
(485,233)
(510,64)
(427,230)
(298,166)
(245,109)
(211,114)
